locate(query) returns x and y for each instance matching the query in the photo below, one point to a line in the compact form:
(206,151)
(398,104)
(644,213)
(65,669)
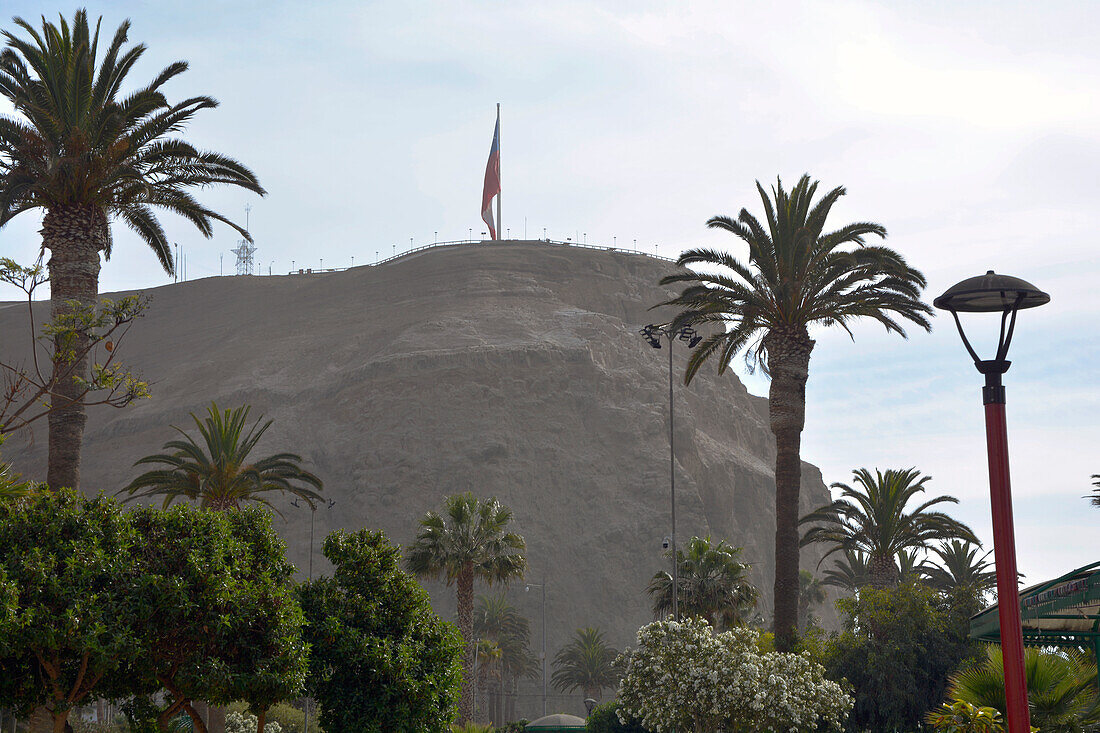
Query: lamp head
(991,293)
(652,334)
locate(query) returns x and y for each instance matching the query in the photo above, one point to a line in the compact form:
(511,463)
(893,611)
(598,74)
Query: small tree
(67,623)
(587,663)
(683,677)
(381,659)
(713,584)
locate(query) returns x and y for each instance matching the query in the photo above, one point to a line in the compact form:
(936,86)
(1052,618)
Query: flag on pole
(492,181)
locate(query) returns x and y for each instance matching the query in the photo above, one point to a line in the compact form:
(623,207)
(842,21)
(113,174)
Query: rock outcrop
(510,369)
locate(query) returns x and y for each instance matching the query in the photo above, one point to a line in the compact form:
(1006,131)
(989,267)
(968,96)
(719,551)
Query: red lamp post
(992,293)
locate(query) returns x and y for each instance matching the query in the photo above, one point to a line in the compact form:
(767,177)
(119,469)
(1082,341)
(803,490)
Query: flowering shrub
(683,677)
(247,723)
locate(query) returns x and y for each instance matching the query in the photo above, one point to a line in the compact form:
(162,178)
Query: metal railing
(480,242)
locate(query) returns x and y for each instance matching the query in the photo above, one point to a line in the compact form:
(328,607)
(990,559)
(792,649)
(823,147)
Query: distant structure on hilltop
(245,249)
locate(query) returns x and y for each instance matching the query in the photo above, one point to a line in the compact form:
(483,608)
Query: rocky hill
(511,369)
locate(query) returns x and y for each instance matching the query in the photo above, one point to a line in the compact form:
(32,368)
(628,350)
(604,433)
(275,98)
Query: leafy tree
(469,541)
(381,659)
(872,519)
(85,153)
(217,473)
(714,584)
(1061,688)
(897,649)
(797,276)
(961,565)
(605,719)
(811,592)
(67,626)
(586,663)
(684,677)
(82,333)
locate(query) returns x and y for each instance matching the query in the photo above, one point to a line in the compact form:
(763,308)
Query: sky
(971,131)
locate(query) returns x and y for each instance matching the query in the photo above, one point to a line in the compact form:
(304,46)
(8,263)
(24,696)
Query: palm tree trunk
(74,235)
(789,363)
(465,596)
(884,573)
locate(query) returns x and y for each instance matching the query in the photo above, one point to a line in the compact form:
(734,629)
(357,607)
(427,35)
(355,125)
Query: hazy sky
(970,130)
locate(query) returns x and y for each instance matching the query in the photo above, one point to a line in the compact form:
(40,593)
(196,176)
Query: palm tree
(1061,688)
(811,592)
(961,566)
(496,619)
(468,541)
(849,574)
(713,584)
(586,663)
(797,276)
(872,520)
(86,154)
(217,473)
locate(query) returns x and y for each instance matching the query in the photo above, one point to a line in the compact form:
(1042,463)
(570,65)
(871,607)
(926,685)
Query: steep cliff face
(510,369)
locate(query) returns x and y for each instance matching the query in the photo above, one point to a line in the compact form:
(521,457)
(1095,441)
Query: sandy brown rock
(509,369)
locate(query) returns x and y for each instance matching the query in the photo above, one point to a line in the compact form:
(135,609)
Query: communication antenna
(245,250)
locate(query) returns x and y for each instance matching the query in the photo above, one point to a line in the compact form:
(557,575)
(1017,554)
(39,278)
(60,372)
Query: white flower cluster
(683,677)
(248,723)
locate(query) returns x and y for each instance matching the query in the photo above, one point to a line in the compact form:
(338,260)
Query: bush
(289,718)
(685,677)
(248,723)
(605,719)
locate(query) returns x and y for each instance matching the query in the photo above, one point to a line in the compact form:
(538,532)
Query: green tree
(872,519)
(605,719)
(811,593)
(961,565)
(497,620)
(587,663)
(468,541)
(849,574)
(67,626)
(714,584)
(897,649)
(85,153)
(381,660)
(1061,688)
(217,473)
(797,276)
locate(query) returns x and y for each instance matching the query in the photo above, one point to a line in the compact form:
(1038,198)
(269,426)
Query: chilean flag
(492,181)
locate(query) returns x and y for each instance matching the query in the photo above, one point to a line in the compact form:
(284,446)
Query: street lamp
(992,293)
(589,704)
(527,589)
(652,334)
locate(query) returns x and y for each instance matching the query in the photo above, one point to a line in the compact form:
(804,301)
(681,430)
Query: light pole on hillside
(527,588)
(652,334)
(992,293)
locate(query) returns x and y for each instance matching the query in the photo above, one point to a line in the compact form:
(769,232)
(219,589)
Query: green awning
(1061,612)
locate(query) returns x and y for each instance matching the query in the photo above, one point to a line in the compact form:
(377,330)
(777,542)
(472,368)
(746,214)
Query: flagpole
(500,229)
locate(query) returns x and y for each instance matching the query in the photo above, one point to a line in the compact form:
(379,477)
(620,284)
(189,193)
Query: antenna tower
(245,250)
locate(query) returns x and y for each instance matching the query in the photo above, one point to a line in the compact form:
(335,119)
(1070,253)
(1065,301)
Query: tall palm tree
(872,519)
(961,565)
(1061,688)
(217,472)
(849,574)
(468,541)
(86,154)
(713,584)
(586,663)
(497,620)
(798,276)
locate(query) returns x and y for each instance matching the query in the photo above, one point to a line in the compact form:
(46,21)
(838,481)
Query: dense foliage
(605,719)
(896,651)
(684,677)
(713,584)
(381,659)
